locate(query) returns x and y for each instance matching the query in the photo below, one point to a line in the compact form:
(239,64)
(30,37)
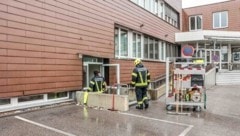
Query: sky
(193,3)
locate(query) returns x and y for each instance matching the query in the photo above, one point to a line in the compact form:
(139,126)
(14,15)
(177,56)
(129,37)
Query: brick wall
(232,6)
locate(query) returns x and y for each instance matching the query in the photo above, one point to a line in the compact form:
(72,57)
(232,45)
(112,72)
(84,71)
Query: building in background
(49,48)
(214,31)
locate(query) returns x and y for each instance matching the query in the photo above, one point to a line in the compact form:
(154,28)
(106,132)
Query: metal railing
(157,82)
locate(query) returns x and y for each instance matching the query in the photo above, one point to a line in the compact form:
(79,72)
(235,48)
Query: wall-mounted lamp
(166,35)
(141,25)
(79,55)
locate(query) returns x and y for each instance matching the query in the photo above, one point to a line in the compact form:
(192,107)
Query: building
(49,48)
(214,31)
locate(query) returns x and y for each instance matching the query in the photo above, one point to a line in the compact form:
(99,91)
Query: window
(4,101)
(121,42)
(195,23)
(136,45)
(162,50)
(145,47)
(156,49)
(161,9)
(151,48)
(132,44)
(57,95)
(220,19)
(30,98)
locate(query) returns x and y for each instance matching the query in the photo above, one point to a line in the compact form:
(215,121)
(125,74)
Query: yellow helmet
(137,61)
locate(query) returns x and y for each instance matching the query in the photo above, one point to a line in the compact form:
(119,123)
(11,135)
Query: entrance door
(89,68)
(236,58)
(211,56)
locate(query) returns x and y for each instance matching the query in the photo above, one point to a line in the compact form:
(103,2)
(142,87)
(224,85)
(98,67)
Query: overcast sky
(192,3)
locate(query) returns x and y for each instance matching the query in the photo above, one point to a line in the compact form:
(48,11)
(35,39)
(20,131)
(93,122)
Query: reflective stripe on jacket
(97,84)
(140,77)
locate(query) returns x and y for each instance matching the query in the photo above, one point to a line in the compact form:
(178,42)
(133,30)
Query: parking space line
(189,127)
(44,126)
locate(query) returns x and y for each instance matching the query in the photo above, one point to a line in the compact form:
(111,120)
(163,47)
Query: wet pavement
(221,118)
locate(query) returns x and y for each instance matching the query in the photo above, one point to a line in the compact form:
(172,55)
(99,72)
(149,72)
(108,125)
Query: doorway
(211,56)
(90,64)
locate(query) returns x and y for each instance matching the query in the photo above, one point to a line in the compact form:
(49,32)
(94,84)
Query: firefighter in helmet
(140,80)
(97,84)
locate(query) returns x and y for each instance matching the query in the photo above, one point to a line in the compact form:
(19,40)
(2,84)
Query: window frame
(196,22)
(220,19)
(157,51)
(159,9)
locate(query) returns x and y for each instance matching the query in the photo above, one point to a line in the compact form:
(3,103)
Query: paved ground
(221,118)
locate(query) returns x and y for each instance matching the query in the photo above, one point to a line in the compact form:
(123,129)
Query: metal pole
(118,80)
(167,77)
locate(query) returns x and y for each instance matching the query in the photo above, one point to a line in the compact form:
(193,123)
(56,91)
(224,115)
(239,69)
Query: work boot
(146,103)
(140,106)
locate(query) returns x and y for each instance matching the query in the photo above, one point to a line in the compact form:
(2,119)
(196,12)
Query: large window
(121,42)
(161,9)
(195,23)
(131,44)
(151,48)
(136,45)
(220,19)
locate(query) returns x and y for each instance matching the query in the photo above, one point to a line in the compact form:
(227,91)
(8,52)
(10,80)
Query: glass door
(211,56)
(89,68)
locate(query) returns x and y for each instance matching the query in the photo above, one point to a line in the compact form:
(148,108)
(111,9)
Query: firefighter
(140,80)
(97,84)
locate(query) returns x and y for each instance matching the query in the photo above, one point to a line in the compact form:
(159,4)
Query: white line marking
(47,127)
(189,127)
(186,130)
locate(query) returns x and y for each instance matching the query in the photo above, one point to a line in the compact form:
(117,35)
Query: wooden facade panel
(17,39)
(60,79)
(12,17)
(68,84)
(19,81)
(3,66)
(34,34)
(10,74)
(3,22)
(12,88)
(41,91)
(69,73)
(3,37)
(60,67)
(24,67)
(68,62)
(10,94)
(3,52)
(32,47)
(3,7)
(32,2)
(40,41)
(40,86)
(3,74)
(59,56)
(3,81)
(40,73)
(21,53)
(16,60)
(12,45)
(16,4)
(35,61)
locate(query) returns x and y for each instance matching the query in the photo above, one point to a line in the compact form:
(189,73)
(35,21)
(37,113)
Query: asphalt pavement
(221,118)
